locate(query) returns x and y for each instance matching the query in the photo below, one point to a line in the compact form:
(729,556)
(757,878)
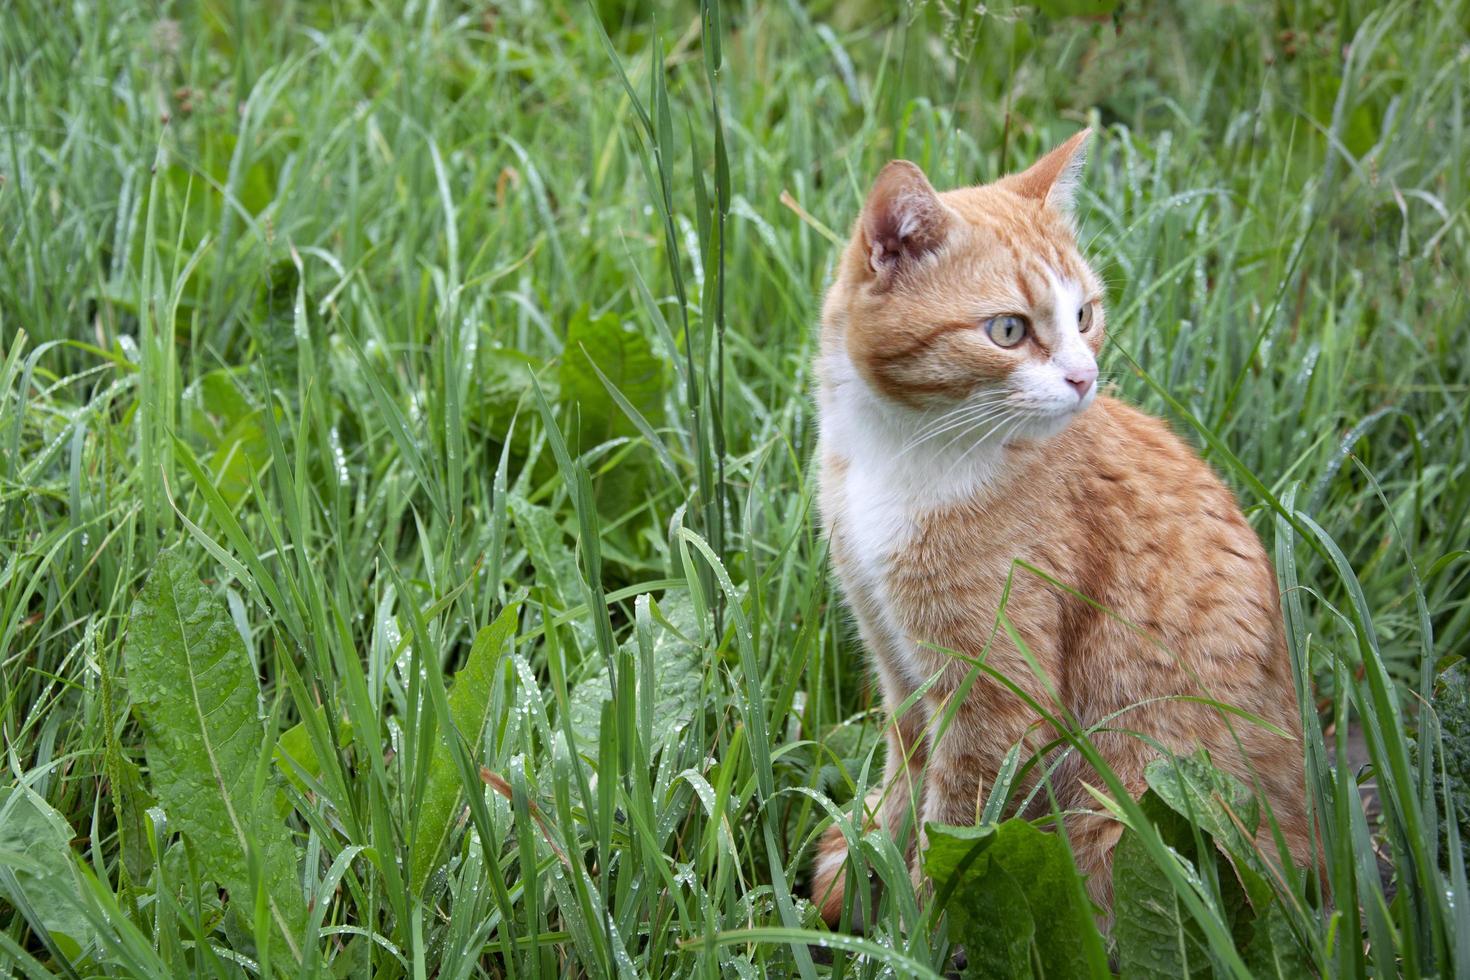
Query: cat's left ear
(1053,179)
(903,220)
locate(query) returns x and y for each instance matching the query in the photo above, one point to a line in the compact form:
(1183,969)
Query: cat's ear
(903,219)
(1053,179)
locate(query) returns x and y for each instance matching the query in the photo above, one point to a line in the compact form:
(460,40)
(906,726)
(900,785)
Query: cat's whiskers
(970,424)
(969,405)
(1019,416)
(965,414)
(996,417)
(1024,417)
(967,417)
(1000,429)
(1012,419)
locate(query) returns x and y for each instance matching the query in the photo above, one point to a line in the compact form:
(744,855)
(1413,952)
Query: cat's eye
(1084,318)
(1007,331)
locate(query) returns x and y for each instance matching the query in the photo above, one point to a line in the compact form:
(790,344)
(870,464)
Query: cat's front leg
(906,732)
(969,740)
(966,753)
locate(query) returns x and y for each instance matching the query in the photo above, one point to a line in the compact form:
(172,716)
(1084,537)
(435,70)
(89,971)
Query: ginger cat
(962,428)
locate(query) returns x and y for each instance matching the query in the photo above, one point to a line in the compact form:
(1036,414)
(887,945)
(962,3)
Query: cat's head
(973,297)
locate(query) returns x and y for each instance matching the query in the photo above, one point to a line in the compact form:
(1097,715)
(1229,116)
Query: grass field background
(372,371)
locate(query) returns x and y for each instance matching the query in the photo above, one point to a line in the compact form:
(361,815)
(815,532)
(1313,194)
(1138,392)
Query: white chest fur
(897,466)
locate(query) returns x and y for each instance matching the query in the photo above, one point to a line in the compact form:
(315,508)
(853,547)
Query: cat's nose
(1081,380)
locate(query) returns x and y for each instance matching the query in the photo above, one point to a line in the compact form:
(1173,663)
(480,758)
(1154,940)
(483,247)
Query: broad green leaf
(603,355)
(345,371)
(1154,936)
(294,749)
(993,922)
(626,359)
(469,706)
(1154,933)
(502,388)
(1067,942)
(845,749)
(273,325)
(196,695)
(1199,792)
(1272,949)
(355,959)
(36,861)
(131,801)
(546,542)
(679,669)
(1005,882)
(951,853)
(243,450)
(226,422)
(216,401)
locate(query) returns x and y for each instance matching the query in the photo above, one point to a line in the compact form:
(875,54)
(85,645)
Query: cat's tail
(829,870)
(829,878)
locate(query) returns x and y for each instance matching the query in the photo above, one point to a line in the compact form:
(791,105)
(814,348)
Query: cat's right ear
(903,220)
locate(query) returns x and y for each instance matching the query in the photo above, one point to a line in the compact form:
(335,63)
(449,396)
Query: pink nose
(1081,380)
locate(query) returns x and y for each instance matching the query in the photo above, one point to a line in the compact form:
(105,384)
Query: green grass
(384,323)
